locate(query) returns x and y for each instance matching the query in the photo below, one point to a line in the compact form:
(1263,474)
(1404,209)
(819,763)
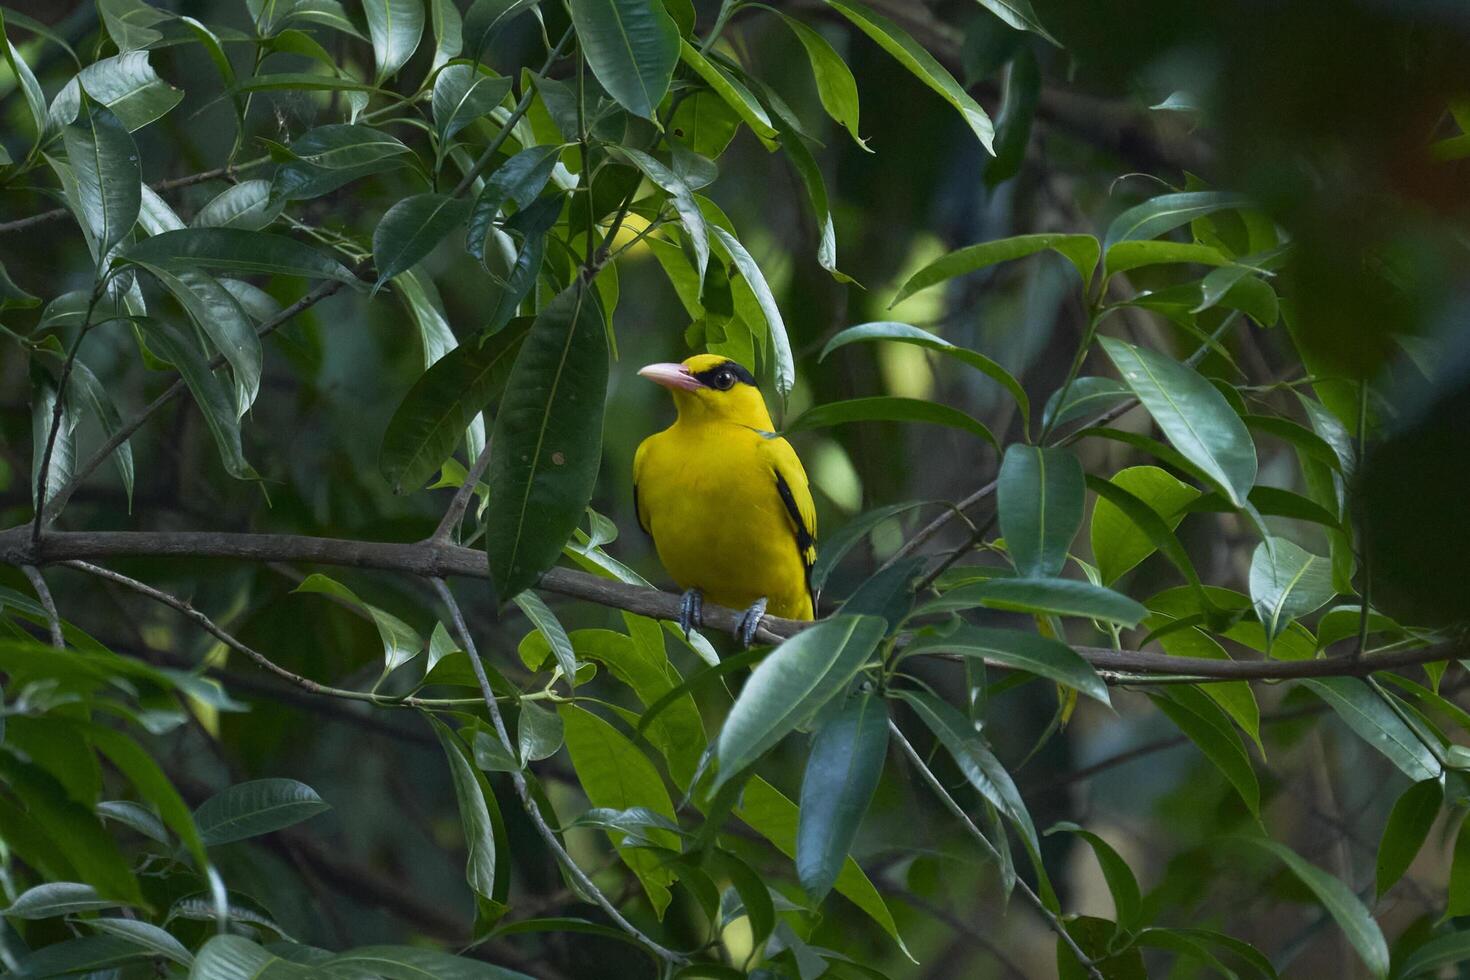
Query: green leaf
(143,934)
(1122,885)
(237,250)
(782,363)
(151,784)
(63,447)
(1287,583)
(395,27)
(1166,212)
(1045,596)
(842,772)
(431,419)
(1039,498)
(462,94)
(1080,250)
(691,218)
(1203,723)
(1340,902)
(836,88)
(889,408)
(1085,396)
(1362,710)
(548,439)
(1020,93)
(1235,697)
(55,898)
(1438,952)
(411,229)
(1018,650)
(539,733)
(485,19)
(246,205)
(128,85)
(87,956)
(12,296)
(479,816)
(448,32)
(1193,414)
(30,88)
(1126,256)
(258,807)
(732,92)
(903,333)
(1404,834)
(550,629)
(909,53)
(109,179)
(401,643)
(616,775)
(838,544)
(519,179)
(1020,15)
(1118,544)
(86,389)
(292,81)
(411,963)
(631,46)
(216,404)
(975,760)
(788,687)
(236,958)
(219,317)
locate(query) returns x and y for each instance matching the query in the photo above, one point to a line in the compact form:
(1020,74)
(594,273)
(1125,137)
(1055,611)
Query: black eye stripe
(724,375)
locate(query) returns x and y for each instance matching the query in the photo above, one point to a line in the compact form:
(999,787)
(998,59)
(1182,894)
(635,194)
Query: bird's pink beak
(671,375)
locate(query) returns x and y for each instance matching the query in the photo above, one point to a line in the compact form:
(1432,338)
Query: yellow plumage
(726,501)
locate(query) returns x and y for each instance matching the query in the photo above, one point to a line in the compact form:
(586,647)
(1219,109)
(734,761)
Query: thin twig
(42,477)
(461,501)
(462,634)
(53,619)
(953,806)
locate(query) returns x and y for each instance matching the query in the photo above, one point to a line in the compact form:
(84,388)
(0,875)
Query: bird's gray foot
(691,611)
(750,621)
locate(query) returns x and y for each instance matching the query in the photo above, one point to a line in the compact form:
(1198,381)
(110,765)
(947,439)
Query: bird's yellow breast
(708,494)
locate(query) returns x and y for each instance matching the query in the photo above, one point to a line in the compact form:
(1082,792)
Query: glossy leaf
(842,773)
(218,315)
(258,807)
(246,205)
(462,94)
(1166,212)
(143,934)
(86,956)
(836,87)
(1080,250)
(1122,885)
(838,544)
(411,229)
(1192,414)
(1046,596)
(1039,497)
(1408,826)
(903,333)
(395,27)
(56,898)
(237,250)
(237,958)
(448,29)
(1020,15)
(1130,255)
(1118,544)
(788,687)
(909,53)
(87,390)
(1338,899)
(691,218)
(539,733)
(1205,725)
(734,94)
(104,161)
(632,47)
(1031,652)
(128,85)
(888,408)
(548,438)
(411,963)
(551,630)
(486,18)
(401,643)
(1287,583)
(783,365)
(1439,952)
(431,419)
(1086,397)
(475,813)
(1362,710)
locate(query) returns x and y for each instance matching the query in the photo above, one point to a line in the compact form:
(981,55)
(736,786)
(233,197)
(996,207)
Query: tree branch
(53,619)
(429,560)
(454,513)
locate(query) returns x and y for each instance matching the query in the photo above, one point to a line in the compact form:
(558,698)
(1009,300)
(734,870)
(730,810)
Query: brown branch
(53,619)
(21,224)
(454,513)
(439,561)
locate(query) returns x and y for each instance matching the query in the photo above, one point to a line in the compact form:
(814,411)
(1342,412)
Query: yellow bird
(725,499)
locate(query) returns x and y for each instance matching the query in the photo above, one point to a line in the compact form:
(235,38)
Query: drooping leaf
(1044,596)
(55,898)
(228,957)
(519,179)
(842,772)
(395,27)
(108,174)
(1086,396)
(691,218)
(632,47)
(479,816)
(1118,544)
(1338,899)
(150,937)
(237,250)
(432,417)
(1166,212)
(836,87)
(539,732)
(411,228)
(128,85)
(219,317)
(245,205)
(485,18)
(1080,250)
(1362,710)
(462,94)
(790,686)
(732,92)
(1122,885)
(260,806)
(912,55)
(448,32)
(1204,724)
(1408,825)
(401,642)
(1039,497)
(1193,414)
(548,438)
(782,363)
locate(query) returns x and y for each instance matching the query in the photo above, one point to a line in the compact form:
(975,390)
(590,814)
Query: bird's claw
(749,622)
(691,611)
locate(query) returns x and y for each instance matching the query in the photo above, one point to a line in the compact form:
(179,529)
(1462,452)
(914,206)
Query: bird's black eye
(724,379)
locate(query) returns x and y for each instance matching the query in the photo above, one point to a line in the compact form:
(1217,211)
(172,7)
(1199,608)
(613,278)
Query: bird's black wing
(805,542)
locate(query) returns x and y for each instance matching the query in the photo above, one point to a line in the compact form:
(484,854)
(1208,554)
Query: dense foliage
(1134,409)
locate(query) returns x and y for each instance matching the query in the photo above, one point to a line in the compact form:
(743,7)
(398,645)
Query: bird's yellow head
(708,387)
